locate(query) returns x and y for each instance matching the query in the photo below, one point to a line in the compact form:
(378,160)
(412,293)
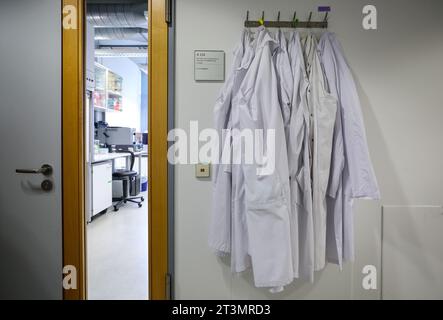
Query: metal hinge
(168,11)
(168,288)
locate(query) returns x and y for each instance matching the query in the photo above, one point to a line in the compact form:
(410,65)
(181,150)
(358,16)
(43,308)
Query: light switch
(202,170)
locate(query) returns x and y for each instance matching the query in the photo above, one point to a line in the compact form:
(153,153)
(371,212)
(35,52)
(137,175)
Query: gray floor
(117,246)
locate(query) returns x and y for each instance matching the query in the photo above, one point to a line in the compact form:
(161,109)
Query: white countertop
(111,156)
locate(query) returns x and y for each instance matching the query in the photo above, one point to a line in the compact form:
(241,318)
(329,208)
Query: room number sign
(209,65)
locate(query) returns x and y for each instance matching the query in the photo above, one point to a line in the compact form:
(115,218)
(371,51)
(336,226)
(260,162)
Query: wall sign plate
(209,65)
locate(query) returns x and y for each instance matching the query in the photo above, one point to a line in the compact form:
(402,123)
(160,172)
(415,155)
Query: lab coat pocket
(262,189)
(271,188)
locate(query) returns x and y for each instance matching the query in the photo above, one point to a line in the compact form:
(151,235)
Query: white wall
(130,116)
(398,69)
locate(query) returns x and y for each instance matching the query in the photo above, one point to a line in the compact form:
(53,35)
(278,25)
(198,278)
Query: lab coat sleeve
(337,159)
(361,172)
(219,239)
(220,222)
(329,66)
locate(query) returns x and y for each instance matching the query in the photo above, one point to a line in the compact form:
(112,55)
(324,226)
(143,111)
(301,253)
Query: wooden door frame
(158,150)
(73,146)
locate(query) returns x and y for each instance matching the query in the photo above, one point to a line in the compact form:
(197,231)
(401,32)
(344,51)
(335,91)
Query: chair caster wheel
(139,205)
(125,202)
(115,209)
(143,199)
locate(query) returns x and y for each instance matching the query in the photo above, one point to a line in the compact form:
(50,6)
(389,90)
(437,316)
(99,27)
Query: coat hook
(326,16)
(247,15)
(294,19)
(309,20)
(262,20)
(278,17)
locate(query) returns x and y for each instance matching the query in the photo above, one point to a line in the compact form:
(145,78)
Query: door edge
(73,146)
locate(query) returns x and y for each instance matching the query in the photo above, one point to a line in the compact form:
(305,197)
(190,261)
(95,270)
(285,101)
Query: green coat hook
(262,20)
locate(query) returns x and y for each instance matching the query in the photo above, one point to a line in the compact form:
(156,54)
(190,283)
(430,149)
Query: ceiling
(110,23)
(115,1)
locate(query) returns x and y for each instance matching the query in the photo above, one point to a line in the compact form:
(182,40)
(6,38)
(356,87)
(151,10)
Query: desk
(98,158)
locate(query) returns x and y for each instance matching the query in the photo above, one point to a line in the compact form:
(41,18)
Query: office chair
(130,182)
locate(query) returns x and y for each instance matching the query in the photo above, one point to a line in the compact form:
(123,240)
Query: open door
(31,164)
(74,243)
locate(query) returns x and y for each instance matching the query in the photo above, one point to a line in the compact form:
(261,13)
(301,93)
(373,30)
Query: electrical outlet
(202,171)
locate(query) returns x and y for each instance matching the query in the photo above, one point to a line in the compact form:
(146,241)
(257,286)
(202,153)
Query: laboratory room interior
(116,153)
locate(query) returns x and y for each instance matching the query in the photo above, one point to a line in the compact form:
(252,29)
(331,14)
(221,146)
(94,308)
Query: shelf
(114,93)
(106,80)
(111,110)
(100,108)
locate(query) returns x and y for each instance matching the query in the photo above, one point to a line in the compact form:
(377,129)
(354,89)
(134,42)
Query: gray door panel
(30,128)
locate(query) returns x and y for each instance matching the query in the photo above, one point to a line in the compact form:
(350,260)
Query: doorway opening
(116,149)
(74,156)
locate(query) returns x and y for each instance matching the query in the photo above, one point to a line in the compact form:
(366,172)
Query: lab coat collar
(248,44)
(264,38)
(282,42)
(296,41)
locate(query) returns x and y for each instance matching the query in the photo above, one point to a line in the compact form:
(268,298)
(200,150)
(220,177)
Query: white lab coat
(334,228)
(285,80)
(323,107)
(299,159)
(240,258)
(220,233)
(358,179)
(267,196)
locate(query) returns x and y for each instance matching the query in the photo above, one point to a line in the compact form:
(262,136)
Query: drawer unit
(101,186)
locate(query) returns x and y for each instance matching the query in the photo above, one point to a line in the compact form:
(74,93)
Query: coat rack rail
(295,23)
(287,24)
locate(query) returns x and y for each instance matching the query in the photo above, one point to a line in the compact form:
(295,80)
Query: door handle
(45,170)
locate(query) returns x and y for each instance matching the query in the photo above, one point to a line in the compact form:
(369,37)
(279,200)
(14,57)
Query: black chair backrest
(132,157)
